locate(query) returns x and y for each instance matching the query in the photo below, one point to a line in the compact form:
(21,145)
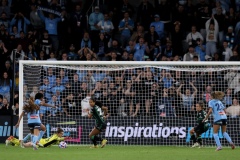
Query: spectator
(35,20)
(42,56)
(5,109)
(46,43)
(220,18)
(125,27)
(26,93)
(34,91)
(158,25)
(234,110)
(193,36)
(106,27)
(200,49)
(190,54)
(167,79)
(20,21)
(7,68)
(52,57)
(102,47)
(5,86)
(228,98)
(70,107)
(212,30)
(226,52)
(141,51)
(137,34)
(51,25)
(5,8)
(51,77)
(151,37)
(31,53)
(235,56)
(78,25)
(57,103)
(86,41)
(187,99)
(46,89)
(94,18)
(144,13)
(63,77)
(58,86)
(177,40)
(4,20)
(230,37)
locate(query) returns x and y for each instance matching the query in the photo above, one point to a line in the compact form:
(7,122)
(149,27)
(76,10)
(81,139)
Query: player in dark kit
(97,113)
(201,127)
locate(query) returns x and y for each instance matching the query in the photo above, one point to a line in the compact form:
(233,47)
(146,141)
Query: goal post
(149,103)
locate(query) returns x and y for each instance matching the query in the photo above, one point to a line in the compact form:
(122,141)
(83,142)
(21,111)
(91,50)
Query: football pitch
(118,153)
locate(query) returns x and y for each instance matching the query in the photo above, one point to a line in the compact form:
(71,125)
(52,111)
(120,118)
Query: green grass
(117,153)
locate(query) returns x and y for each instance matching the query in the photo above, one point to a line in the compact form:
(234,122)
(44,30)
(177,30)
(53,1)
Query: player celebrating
(98,115)
(218,110)
(201,127)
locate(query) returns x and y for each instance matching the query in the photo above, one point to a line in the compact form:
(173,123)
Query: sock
(199,140)
(41,133)
(97,138)
(225,134)
(193,138)
(93,140)
(35,139)
(27,137)
(32,137)
(217,140)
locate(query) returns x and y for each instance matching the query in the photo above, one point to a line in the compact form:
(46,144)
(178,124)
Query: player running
(218,110)
(97,113)
(201,126)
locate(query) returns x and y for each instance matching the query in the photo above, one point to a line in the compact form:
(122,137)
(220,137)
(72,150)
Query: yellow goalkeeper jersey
(13,141)
(54,139)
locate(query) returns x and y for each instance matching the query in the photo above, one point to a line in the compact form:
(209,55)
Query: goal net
(149,103)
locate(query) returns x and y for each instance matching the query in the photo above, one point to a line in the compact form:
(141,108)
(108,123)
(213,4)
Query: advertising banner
(127,130)
(140,131)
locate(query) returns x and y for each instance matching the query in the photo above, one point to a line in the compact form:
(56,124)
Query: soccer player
(201,126)
(41,103)
(34,122)
(97,113)
(45,142)
(218,110)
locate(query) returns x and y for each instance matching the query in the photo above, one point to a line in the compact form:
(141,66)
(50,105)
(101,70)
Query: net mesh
(147,104)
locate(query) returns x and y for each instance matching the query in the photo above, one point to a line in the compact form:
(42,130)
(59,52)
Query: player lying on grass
(201,126)
(100,125)
(44,142)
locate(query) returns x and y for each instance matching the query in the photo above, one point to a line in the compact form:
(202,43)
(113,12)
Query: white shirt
(85,106)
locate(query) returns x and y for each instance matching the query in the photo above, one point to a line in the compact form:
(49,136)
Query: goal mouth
(148,103)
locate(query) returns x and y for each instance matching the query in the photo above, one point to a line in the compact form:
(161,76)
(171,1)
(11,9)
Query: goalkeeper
(44,142)
(201,127)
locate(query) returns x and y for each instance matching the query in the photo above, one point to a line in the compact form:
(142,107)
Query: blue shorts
(33,126)
(221,122)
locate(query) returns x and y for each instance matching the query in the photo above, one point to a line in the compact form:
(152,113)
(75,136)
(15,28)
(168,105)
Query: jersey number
(219,106)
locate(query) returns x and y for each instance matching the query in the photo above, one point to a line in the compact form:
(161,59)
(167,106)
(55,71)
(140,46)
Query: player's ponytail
(217,95)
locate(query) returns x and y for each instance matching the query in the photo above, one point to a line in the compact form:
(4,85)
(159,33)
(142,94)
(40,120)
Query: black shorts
(199,129)
(101,127)
(221,122)
(33,126)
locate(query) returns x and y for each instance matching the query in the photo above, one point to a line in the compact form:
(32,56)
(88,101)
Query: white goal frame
(108,63)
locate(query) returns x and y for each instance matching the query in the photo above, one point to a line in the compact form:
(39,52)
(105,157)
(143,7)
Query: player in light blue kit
(217,109)
(34,122)
(41,103)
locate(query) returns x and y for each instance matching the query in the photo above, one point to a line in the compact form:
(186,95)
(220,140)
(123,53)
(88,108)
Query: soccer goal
(149,103)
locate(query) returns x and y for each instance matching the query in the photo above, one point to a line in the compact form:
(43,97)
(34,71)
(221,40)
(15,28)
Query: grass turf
(117,153)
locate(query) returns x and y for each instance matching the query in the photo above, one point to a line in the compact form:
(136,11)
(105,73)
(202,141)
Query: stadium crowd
(177,30)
